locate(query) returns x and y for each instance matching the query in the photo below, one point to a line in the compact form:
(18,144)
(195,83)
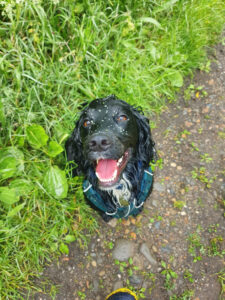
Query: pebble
(173,165)
(138,260)
(126,222)
(113,222)
(211,81)
(157,225)
(159,187)
(188,124)
(154,203)
(102,273)
(166,249)
(182,191)
(93,263)
(183,213)
(135,280)
(154,248)
(93,246)
(123,249)
(147,254)
(95,285)
(117,285)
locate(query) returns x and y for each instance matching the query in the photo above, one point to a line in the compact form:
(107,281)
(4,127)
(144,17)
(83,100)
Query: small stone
(127,231)
(215,193)
(95,285)
(133,221)
(179,168)
(133,235)
(154,203)
(102,273)
(157,225)
(183,213)
(173,165)
(211,82)
(205,110)
(135,280)
(113,222)
(118,285)
(166,249)
(138,261)
(126,222)
(139,217)
(99,260)
(146,252)
(159,187)
(123,249)
(93,263)
(188,124)
(154,249)
(182,191)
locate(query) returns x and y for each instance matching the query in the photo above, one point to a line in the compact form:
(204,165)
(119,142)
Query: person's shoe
(122,294)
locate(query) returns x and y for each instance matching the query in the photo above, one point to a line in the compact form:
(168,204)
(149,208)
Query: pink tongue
(105,168)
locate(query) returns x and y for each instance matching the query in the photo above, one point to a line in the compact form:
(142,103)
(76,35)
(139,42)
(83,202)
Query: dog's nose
(99,143)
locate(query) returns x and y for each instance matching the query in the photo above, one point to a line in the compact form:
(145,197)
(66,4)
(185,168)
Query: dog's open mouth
(109,170)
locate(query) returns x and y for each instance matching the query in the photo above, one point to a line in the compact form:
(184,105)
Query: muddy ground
(176,244)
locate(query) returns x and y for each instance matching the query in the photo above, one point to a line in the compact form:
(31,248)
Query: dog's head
(109,135)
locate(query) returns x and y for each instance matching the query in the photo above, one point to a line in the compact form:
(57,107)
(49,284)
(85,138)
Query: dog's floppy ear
(145,149)
(74,151)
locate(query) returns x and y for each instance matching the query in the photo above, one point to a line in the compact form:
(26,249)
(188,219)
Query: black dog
(112,146)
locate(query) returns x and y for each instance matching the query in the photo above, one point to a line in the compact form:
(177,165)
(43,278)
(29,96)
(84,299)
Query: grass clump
(54,55)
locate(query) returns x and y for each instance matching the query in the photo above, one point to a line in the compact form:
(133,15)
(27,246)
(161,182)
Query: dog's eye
(86,123)
(121,118)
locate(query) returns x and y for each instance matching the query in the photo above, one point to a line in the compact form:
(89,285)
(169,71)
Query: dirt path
(179,236)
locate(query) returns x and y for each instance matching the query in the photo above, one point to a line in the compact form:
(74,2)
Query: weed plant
(55,55)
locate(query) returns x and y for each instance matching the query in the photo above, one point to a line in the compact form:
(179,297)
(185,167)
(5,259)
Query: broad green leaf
(15,210)
(173,274)
(54,149)
(53,247)
(163,264)
(60,133)
(19,136)
(21,186)
(176,79)
(55,182)
(36,136)
(168,275)
(8,196)
(69,238)
(64,248)
(11,162)
(151,20)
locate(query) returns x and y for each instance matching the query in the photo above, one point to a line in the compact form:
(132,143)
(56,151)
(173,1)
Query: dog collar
(121,211)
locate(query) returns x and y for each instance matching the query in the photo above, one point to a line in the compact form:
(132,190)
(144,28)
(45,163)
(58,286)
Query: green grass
(54,56)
